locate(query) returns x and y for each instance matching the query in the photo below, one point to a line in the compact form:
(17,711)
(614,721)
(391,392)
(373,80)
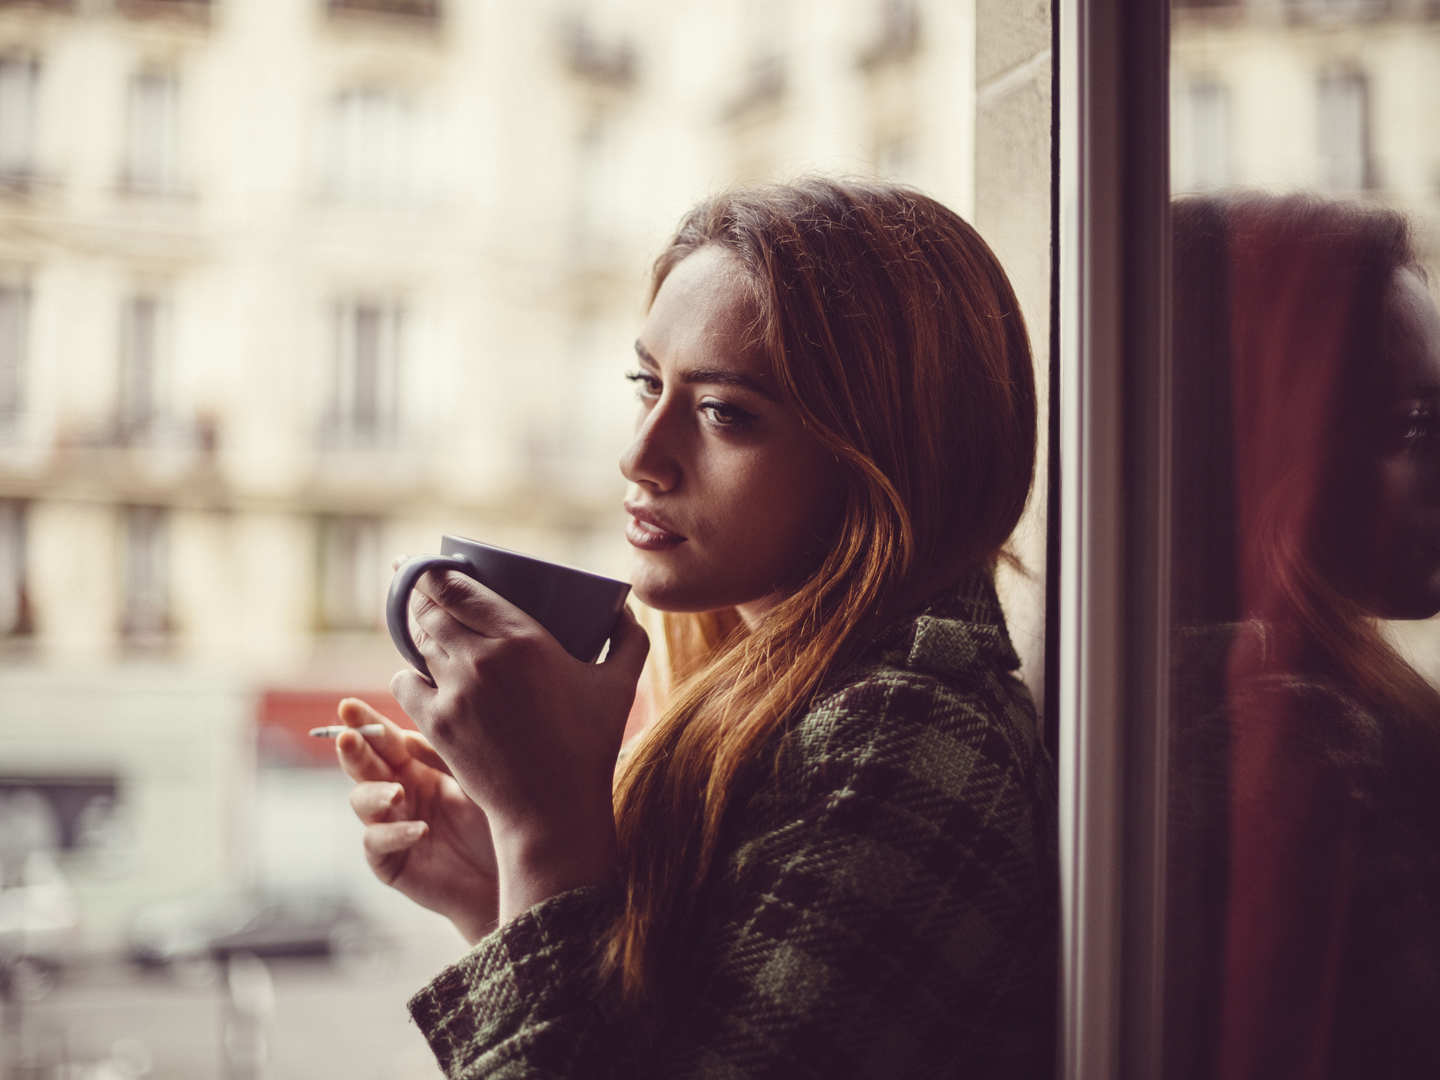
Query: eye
(1416,425)
(724,415)
(647,386)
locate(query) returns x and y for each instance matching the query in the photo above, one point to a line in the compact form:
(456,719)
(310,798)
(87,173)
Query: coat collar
(957,631)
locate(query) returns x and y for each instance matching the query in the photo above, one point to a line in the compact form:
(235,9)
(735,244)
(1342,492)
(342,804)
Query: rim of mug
(530,558)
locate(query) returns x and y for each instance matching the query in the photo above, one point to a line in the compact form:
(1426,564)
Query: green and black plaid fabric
(887,906)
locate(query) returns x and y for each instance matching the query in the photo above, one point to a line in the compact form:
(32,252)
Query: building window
(1200,146)
(898,35)
(597,60)
(766,41)
(352,573)
(144,574)
(1344,132)
(374,147)
(153,161)
(14,595)
(365,388)
(14,337)
(18,78)
(142,363)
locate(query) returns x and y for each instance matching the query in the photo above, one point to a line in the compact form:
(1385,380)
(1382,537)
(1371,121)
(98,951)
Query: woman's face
(1407,574)
(730,499)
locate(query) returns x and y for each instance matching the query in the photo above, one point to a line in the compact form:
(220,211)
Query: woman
(1308,490)
(832,855)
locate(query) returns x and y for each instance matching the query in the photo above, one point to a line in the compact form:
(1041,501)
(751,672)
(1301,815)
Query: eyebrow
(709,375)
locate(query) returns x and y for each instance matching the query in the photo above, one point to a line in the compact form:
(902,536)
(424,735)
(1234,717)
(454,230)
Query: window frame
(1107,644)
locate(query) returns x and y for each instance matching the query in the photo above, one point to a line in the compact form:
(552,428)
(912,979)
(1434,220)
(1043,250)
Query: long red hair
(896,338)
(1282,371)
(1281,308)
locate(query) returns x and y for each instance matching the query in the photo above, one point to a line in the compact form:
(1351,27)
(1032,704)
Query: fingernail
(415,829)
(395,792)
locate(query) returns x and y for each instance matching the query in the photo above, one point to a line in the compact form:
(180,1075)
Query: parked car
(214,925)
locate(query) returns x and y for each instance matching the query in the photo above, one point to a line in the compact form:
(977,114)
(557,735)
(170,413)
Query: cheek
(784,503)
(1394,497)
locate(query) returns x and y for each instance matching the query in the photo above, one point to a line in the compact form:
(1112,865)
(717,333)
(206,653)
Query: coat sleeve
(888,911)
(527,1001)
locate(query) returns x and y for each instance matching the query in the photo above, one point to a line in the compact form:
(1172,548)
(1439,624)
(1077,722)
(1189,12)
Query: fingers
(374,801)
(373,757)
(433,629)
(414,694)
(468,603)
(421,750)
(393,836)
(381,757)
(629,646)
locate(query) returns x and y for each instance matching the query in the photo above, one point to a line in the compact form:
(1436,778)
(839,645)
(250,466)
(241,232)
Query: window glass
(1304,831)
(18,78)
(14,333)
(152,154)
(377,147)
(352,573)
(145,575)
(14,603)
(363,406)
(142,364)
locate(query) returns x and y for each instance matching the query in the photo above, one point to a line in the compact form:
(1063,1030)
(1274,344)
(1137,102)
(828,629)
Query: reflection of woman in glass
(832,855)
(1308,493)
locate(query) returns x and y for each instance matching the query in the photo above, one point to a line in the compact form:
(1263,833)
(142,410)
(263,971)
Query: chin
(677,602)
(1413,604)
(662,591)
(657,593)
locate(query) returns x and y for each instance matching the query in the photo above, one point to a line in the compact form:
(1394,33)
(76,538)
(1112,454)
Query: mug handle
(397,604)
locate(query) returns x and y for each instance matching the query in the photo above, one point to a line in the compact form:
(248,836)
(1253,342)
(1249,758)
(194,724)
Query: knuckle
(520,645)
(451,588)
(442,728)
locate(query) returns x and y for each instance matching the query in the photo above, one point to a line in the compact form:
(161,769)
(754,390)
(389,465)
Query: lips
(647,532)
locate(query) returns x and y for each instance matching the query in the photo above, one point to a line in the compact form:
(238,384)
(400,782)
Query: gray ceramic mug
(577,607)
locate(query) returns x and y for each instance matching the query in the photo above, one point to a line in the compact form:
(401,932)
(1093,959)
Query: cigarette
(334,730)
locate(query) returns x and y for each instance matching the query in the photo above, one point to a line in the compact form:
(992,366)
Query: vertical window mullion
(1113,196)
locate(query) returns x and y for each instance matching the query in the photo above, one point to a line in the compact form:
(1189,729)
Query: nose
(650,460)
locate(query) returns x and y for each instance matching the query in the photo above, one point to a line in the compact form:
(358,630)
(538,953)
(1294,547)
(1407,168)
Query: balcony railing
(46,5)
(188,10)
(415,10)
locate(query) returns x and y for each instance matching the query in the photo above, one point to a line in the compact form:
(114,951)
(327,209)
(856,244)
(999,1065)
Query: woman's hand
(423,835)
(530,732)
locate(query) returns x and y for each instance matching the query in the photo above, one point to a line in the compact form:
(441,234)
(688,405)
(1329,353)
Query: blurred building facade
(1331,96)
(289,287)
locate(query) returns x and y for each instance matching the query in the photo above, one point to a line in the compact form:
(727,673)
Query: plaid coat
(886,908)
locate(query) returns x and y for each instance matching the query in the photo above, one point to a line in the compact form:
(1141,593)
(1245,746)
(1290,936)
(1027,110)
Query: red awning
(286,717)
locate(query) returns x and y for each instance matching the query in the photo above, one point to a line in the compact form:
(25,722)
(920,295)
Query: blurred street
(115,1021)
